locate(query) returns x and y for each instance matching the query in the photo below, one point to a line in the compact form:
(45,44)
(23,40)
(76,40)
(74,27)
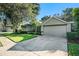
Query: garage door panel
(55,30)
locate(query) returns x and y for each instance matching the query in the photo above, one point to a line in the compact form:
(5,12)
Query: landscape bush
(72,35)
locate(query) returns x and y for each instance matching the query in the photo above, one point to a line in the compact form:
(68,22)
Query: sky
(54,8)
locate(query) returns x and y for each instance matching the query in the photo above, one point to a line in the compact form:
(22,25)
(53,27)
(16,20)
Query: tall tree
(76,17)
(33,11)
(16,12)
(13,11)
(45,18)
(67,14)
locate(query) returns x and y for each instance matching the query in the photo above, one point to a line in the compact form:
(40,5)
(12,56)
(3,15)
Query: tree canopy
(76,17)
(45,18)
(67,14)
(16,12)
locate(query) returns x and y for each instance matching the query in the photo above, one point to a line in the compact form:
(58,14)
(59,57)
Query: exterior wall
(55,27)
(8,22)
(53,22)
(0,29)
(68,27)
(42,29)
(28,28)
(2,17)
(8,29)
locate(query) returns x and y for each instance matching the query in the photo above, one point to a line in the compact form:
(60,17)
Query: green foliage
(67,14)
(45,18)
(16,12)
(73,49)
(76,17)
(68,11)
(75,11)
(72,35)
(19,37)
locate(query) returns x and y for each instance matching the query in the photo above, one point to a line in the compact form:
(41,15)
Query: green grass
(73,49)
(19,37)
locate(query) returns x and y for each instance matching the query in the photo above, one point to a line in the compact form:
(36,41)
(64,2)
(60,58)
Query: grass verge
(19,37)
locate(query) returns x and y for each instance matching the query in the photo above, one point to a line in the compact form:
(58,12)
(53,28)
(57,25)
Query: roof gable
(54,21)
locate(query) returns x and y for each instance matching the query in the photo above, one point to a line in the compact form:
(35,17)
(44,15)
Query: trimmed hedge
(72,35)
(28,32)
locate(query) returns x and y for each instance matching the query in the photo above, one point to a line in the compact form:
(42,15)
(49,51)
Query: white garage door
(55,30)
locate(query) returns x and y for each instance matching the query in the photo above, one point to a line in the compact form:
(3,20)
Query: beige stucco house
(7,29)
(56,27)
(8,23)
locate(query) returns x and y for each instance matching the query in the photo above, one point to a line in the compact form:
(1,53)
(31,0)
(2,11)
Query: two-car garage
(55,30)
(56,27)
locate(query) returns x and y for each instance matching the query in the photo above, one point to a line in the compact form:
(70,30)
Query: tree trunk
(14,29)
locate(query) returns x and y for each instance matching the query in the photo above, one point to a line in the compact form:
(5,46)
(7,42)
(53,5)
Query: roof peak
(57,19)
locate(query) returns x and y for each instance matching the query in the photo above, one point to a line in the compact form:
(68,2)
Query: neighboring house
(8,23)
(56,27)
(26,25)
(27,28)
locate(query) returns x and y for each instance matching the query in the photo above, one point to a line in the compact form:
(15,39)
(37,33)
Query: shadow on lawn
(37,44)
(1,35)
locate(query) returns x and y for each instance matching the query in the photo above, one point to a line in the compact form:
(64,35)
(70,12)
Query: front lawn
(19,37)
(73,49)
(73,43)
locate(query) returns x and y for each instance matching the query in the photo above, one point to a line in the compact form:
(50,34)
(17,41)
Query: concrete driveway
(43,46)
